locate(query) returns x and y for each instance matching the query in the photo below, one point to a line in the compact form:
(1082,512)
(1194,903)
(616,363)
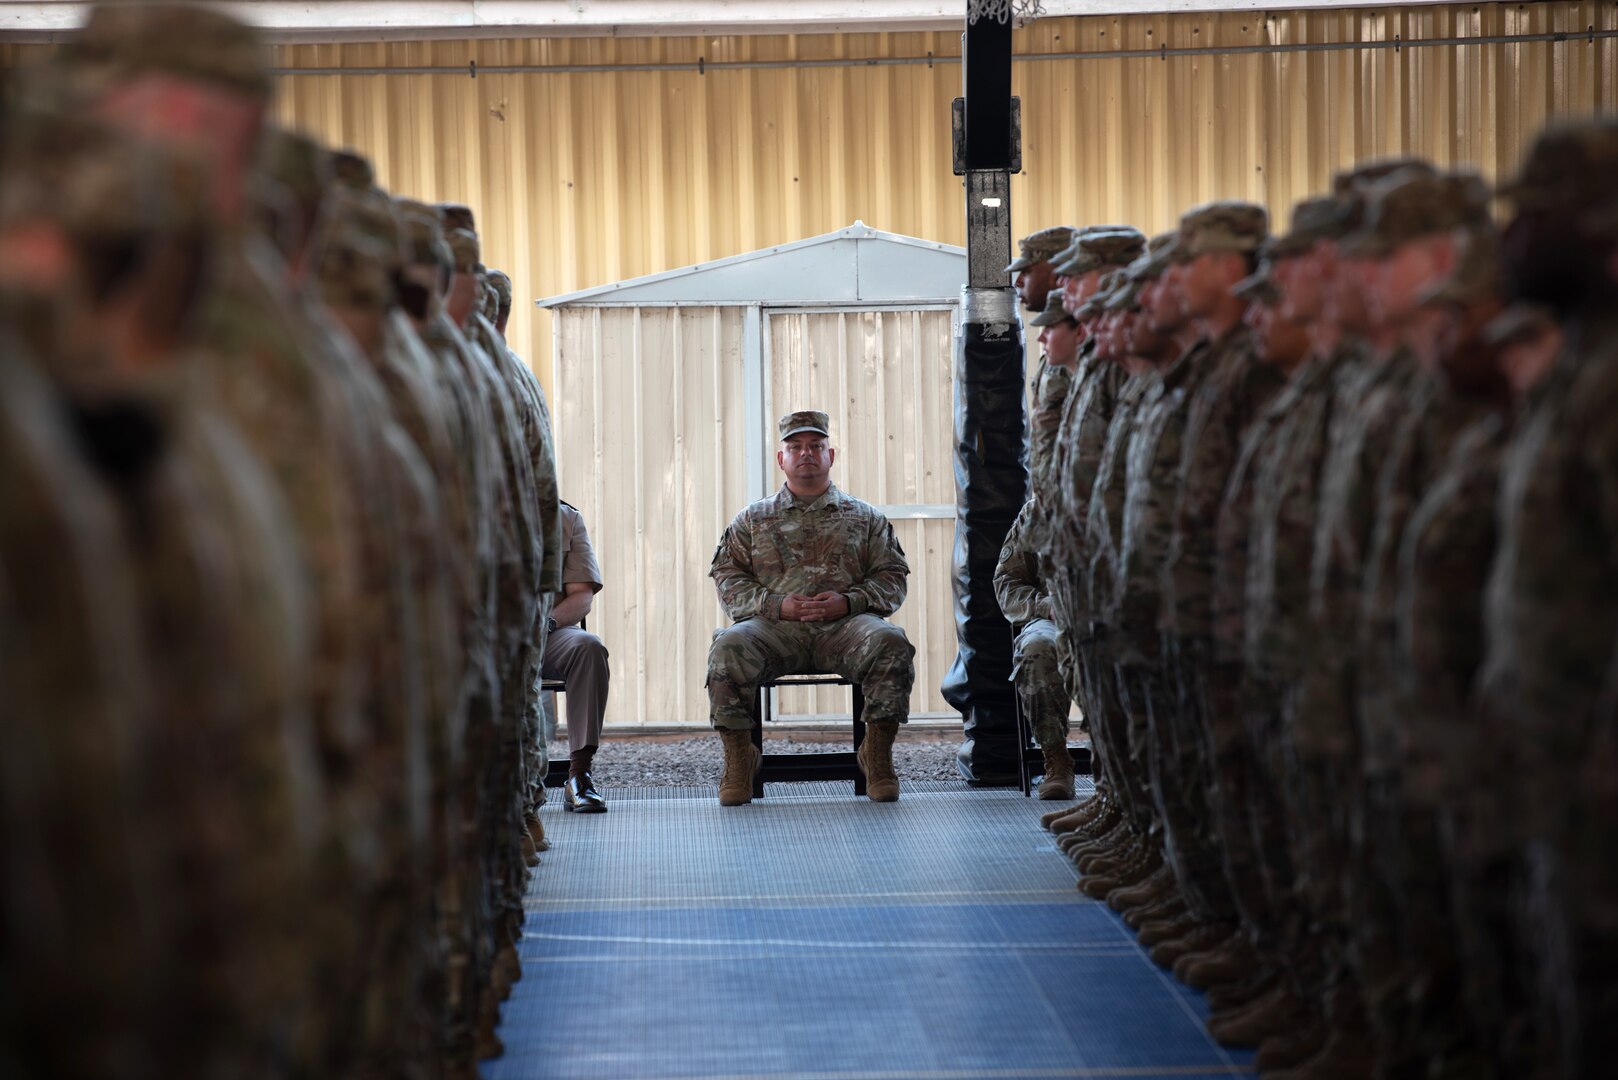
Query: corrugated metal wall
(586,178)
(649,451)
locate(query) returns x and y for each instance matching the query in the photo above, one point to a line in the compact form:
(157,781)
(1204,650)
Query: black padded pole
(991,471)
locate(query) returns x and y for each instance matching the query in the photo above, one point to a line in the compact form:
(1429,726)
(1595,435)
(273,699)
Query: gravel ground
(695,761)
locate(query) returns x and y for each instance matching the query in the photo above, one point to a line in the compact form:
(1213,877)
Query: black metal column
(991,459)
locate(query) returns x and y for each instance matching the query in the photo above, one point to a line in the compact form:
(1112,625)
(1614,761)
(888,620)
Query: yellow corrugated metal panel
(591,177)
(648,422)
(586,178)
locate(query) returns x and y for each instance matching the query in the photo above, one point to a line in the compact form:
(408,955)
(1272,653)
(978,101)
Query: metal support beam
(991,476)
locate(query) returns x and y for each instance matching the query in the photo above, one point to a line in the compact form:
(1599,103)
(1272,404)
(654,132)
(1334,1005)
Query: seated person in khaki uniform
(808,575)
(578,658)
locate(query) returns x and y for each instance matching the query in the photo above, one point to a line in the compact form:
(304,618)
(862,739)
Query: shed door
(884,378)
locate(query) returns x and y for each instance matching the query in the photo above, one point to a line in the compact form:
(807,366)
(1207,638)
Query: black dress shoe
(579,796)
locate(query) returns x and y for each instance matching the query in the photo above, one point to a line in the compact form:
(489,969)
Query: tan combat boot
(741,763)
(1058,782)
(876,761)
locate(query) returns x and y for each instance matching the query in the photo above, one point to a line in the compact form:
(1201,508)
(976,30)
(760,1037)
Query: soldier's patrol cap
(1571,166)
(1151,263)
(463,249)
(423,234)
(99,183)
(1367,173)
(1054,312)
(123,39)
(1115,246)
(352,170)
(1223,226)
(457,216)
(1259,287)
(1125,295)
(1519,322)
(1071,252)
(1411,204)
(299,164)
(1038,247)
(500,285)
(1097,304)
(1477,274)
(804,420)
(1352,187)
(1313,220)
(356,267)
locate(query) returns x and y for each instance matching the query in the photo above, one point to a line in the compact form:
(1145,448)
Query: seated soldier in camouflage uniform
(808,575)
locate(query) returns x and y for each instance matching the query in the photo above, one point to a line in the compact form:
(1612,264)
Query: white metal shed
(667,391)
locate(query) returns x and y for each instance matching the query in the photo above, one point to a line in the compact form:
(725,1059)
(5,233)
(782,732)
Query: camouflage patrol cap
(457,216)
(298,163)
(123,39)
(1412,204)
(1351,188)
(423,235)
(1103,249)
(1071,252)
(500,286)
(1038,247)
(804,420)
(1125,295)
(356,269)
(1370,172)
(1054,312)
(1572,166)
(1259,286)
(463,248)
(1313,220)
(1519,322)
(1224,226)
(1151,263)
(99,183)
(1097,304)
(1477,274)
(352,170)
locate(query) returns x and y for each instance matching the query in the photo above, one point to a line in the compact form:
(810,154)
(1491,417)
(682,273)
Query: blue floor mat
(811,934)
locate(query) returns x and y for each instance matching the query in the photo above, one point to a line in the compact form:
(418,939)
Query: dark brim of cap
(1050,318)
(1259,288)
(1365,245)
(1022,262)
(1515,322)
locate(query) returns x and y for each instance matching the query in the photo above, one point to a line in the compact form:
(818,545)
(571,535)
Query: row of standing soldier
(278,532)
(1323,543)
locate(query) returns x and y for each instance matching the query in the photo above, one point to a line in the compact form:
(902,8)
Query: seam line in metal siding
(1586,37)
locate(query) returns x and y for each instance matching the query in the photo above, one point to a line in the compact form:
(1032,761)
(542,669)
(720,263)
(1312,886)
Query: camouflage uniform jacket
(1434,417)
(1228,389)
(1266,605)
(1106,514)
(1154,459)
(1051,388)
(1370,405)
(778,547)
(1076,459)
(1020,575)
(1550,617)
(1443,567)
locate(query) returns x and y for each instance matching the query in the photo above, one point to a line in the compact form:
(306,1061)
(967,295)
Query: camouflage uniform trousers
(1179,768)
(1036,672)
(1114,737)
(1249,836)
(868,650)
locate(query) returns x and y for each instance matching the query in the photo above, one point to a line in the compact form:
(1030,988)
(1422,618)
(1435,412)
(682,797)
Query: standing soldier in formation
(274,499)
